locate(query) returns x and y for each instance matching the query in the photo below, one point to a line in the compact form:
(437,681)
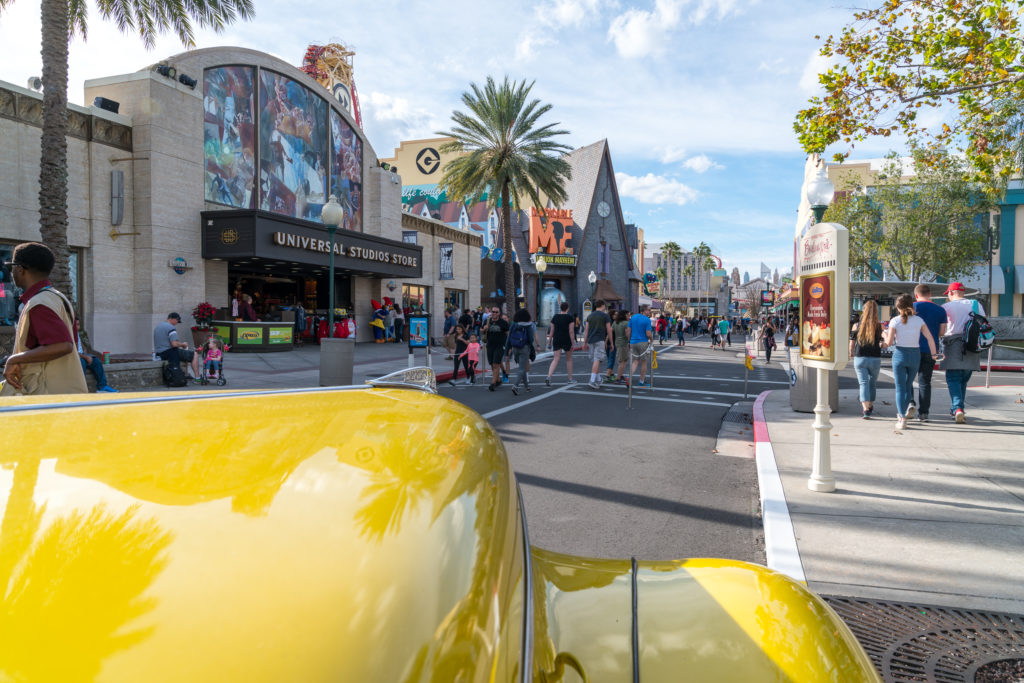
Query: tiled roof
(586,167)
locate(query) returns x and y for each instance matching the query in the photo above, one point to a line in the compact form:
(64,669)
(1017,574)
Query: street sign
(824,260)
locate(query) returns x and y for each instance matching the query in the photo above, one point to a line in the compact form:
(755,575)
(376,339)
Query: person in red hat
(959,363)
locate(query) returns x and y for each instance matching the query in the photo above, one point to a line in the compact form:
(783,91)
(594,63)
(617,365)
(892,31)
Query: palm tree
(61,20)
(504,150)
(662,276)
(686,272)
(670,251)
(704,261)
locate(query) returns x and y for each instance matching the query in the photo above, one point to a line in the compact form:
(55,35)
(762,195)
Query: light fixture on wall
(187,80)
(167,71)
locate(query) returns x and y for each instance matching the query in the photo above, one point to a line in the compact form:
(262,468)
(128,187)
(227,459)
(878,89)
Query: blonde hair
(905,305)
(867,332)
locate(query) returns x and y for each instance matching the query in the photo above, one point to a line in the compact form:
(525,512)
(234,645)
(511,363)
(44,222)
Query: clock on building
(603,209)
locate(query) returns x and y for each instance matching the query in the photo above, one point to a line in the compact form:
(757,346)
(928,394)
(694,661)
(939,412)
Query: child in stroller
(213,361)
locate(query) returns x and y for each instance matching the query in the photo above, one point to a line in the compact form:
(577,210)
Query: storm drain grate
(942,644)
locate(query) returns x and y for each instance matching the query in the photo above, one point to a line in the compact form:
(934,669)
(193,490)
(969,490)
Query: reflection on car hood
(349,535)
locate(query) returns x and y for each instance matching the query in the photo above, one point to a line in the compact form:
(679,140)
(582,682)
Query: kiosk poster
(248,335)
(419,337)
(816,317)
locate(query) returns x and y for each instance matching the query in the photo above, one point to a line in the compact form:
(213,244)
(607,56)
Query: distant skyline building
(766,271)
(746,277)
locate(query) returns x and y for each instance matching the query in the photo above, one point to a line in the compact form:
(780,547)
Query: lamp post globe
(819,193)
(542,265)
(332,215)
(592,278)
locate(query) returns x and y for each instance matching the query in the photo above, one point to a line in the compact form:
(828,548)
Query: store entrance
(275,292)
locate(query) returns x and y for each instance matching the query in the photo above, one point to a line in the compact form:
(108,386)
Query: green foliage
(505,153)
(960,58)
(916,226)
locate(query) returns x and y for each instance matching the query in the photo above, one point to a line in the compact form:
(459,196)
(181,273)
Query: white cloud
(673,154)
(529,44)
(638,33)
(396,117)
(655,189)
(815,65)
(568,12)
(701,164)
(719,8)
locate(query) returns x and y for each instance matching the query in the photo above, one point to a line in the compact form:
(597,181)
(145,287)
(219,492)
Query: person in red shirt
(44,337)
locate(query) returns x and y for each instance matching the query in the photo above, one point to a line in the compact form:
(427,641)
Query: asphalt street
(602,480)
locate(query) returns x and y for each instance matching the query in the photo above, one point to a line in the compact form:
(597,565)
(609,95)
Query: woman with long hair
(904,334)
(866,350)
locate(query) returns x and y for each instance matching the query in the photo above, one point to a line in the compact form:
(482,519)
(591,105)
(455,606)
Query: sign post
(419,336)
(824,262)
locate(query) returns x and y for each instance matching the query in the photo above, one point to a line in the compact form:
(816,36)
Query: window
(455,298)
(409,236)
(415,299)
(9,300)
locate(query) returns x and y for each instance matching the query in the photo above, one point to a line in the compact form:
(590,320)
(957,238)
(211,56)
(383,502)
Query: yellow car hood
(347,535)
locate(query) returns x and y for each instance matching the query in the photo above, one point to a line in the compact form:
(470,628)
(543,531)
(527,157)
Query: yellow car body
(354,534)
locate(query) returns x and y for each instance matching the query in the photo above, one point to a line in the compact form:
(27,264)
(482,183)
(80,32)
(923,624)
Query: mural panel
(347,171)
(293,147)
(229,136)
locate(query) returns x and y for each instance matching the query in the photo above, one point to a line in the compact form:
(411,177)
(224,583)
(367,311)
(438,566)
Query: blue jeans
(867,370)
(611,358)
(96,366)
(906,360)
(957,381)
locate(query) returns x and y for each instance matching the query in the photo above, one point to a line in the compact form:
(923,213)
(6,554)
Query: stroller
(205,377)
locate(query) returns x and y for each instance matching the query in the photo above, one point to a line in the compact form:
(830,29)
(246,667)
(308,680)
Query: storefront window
(229,136)
(414,299)
(455,298)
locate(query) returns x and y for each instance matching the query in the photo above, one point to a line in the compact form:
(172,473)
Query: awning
(978,279)
(604,290)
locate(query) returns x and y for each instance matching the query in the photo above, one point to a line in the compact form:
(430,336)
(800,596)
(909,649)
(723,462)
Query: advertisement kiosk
(823,261)
(419,336)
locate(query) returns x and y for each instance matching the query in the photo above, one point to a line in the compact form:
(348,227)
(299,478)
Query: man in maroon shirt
(48,339)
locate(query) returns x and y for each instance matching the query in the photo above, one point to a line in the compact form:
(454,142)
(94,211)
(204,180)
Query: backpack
(174,376)
(519,336)
(978,333)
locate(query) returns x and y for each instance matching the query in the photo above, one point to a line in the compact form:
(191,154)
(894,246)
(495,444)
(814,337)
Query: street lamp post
(332,214)
(592,279)
(819,195)
(336,355)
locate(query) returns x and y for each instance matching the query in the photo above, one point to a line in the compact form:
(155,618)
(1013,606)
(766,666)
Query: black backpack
(978,333)
(174,376)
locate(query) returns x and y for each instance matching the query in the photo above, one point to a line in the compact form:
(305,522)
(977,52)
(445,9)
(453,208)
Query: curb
(1004,368)
(780,546)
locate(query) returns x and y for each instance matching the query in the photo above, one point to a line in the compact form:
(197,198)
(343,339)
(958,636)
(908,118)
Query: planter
(201,334)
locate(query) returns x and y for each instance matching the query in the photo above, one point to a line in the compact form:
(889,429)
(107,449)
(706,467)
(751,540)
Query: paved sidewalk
(933,515)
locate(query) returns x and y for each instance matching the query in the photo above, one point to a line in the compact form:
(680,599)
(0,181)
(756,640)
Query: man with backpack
(967,333)
(167,346)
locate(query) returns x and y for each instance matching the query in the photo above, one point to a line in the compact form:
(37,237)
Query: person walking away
(935,319)
(866,350)
(399,324)
(640,341)
(959,363)
(597,334)
(723,333)
(904,335)
(681,325)
(167,346)
(461,342)
(661,329)
(561,332)
(620,338)
(611,350)
(389,322)
(447,340)
(768,339)
(496,331)
(521,338)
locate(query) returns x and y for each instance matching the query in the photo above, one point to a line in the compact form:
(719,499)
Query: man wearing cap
(167,346)
(44,359)
(959,363)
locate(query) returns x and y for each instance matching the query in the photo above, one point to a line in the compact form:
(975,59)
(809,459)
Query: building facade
(704,292)
(209,183)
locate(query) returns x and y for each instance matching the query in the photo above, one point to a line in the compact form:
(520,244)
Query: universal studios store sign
(246,234)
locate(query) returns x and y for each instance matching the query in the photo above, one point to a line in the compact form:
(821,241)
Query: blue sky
(696,97)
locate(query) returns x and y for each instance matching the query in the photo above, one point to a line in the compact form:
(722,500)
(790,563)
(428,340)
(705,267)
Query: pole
(330,282)
(746,374)
(988,367)
(821,478)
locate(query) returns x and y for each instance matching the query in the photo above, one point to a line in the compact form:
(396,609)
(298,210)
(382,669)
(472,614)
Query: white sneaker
(594,385)
(901,423)
(572,381)
(911,411)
